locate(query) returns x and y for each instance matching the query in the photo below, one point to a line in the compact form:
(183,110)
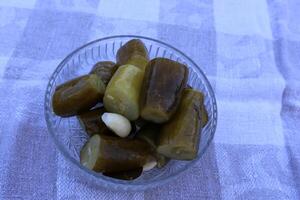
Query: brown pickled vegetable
(162,88)
(204,116)
(179,138)
(92,123)
(105,70)
(77,95)
(133,51)
(113,154)
(138,61)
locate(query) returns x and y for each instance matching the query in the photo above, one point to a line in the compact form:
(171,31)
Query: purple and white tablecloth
(250,51)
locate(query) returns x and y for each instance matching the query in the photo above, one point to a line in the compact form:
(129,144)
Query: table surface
(250,51)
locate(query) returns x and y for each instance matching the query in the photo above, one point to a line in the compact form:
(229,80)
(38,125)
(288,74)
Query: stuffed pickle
(123,92)
(179,138)
(113,154)
(77,95)
(162,88)
(133,51)
(105,70)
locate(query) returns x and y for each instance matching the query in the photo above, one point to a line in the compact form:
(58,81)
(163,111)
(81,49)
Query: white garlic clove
(119,124)
(149,165)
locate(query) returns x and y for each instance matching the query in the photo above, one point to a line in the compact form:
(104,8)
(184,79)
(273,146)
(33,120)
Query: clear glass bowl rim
(119,184)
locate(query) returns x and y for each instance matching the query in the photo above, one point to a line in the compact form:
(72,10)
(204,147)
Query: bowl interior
(70,137)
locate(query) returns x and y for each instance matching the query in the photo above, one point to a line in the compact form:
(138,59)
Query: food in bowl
(139,113)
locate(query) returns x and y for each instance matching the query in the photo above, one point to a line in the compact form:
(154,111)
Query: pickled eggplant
(179,138)
(92,123)
(162,88)
(204,116)
(138,61)
(149,133)
(77,95)
(126,175)
(123,92)
(133,48)
(203,111)
(112,154)
(104,70)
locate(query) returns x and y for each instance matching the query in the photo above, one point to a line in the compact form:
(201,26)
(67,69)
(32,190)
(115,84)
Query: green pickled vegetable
(77,95)
(126,175)
(132,50)
(204,111)
(179,138)
(204,116)
(123,92)
(104,70)
(138,61)
(92,122)
(112,154)
(162,88)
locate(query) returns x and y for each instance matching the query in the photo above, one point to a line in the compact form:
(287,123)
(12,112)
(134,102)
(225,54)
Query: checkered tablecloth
(250,51)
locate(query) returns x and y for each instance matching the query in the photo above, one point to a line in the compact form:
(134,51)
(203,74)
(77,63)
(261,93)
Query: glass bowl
(68,135)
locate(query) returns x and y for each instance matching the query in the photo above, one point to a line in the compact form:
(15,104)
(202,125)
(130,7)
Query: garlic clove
(149,165)
(119,124)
